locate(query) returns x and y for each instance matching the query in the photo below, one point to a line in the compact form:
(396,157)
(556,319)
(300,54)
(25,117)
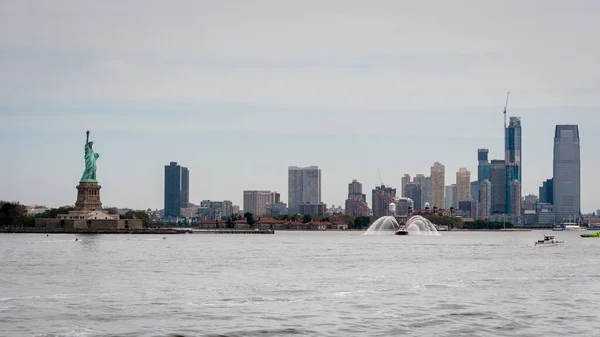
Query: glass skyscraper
(567,174)
(512,139)
(177,189)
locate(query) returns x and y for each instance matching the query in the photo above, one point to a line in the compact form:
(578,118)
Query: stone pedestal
(88,197)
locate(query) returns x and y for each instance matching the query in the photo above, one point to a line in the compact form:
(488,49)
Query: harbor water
(299,284)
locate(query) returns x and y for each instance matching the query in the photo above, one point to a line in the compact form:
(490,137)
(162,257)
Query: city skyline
(336,94)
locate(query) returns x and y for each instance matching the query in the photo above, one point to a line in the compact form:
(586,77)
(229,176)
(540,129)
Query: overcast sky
(237,91)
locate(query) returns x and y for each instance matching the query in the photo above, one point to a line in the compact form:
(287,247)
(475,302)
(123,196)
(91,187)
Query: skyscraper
(421,180)
(177,187)
(304,187)
(567,173)
(498,180)
(483,167)
(405,180)
(185,187)
(382,197)
(356,204)
(514,198)
(512,147)
(547,192)
(485,199)
(451,193)
(438,183)
(463,184)
(413,191)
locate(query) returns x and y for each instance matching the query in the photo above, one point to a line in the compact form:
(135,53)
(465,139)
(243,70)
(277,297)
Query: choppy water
(299,284)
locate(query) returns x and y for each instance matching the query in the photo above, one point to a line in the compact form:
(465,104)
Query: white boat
(549,241)
(571,225)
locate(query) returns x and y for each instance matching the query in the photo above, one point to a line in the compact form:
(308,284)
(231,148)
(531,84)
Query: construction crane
(381,180)
(505,106)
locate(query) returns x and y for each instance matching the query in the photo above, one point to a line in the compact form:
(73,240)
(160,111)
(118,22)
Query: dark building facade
(176,189)
(513,146)
(499,190)
(483,167)
(547,192)
(414,192)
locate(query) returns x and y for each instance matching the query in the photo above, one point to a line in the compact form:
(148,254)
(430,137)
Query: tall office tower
(498,180)
(185,187)
(567,174)
(483,167)
(356,204)
(514,198)
(475,190)
(422,181)
(256,202)
(547,192)
(512,145)
(304,187)
(382,197)
(177,189)
(485,199)
(438,183)
(451,193)
(413,191)
(463,184)
(405,180)
(427,195)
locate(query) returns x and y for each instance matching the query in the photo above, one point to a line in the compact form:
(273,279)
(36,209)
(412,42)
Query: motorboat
(442,228)
(548,241)
(401,231)
(597,235)
(558,228)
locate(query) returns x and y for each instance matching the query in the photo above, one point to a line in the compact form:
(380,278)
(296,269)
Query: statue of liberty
(89,175)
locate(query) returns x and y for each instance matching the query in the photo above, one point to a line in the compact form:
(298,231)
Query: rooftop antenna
(506,105)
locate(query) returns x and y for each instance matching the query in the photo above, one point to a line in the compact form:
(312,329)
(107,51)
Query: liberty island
(88,214)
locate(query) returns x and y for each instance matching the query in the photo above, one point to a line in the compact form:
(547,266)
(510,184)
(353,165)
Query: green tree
(12,214)
(249,219)
(306,218)
(54,212)
(141,215)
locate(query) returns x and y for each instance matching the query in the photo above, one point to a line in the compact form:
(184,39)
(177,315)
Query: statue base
(88,197)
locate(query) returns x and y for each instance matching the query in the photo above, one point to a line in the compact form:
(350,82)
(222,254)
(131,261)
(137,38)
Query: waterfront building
(467,208)
(212,210)
(405,180)
(567,173)
(485,199)
(304,187)
(529,203)
(382,196)
(451,196)
(177,189)
(413,191)
(514,198)
(483,167)
(545,214)
(498,180)
(255,202)
(547,192)
(313,209)
(404,206)
(277,208)
(463,184)
(438,182)
(356,203)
